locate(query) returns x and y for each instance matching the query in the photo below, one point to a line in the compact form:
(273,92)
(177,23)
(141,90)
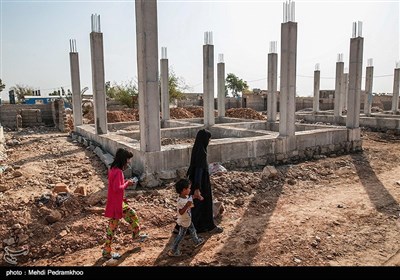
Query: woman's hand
(197,194)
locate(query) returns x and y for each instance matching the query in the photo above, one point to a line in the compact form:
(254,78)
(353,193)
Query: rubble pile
(197,111)
(123,116)
(244,113)
(175,113)
(113,116)
(180,113)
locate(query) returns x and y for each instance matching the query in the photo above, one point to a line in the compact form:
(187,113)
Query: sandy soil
(333,211)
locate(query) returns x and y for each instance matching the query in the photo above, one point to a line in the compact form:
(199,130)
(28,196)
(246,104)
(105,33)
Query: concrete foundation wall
(256,101)
(379,123)
(235,151)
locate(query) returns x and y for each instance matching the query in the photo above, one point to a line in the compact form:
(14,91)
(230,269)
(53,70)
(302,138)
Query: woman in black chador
(202,212)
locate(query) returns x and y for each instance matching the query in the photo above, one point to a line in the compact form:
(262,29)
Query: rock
(46,229)
(269,172)
(239,202)
(12,142)
(56,250)
(291,181)
(329,257)
(62,233)
(313,178)
(218,208)
(96,210)
(17,174)
(16,226)
(246,188)
(296,260)
(53,217)
(149,180)
(251,240)
(22,238)
(166,175)
(4,188)
(10,241)
(95,198)
(181,172)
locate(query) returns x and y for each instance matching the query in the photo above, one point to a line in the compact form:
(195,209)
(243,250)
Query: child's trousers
(130,216)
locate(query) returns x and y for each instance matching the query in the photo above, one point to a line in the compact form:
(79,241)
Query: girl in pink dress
(116,207)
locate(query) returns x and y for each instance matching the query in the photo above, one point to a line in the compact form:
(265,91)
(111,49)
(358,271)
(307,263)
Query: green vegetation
(2,86)
(176,86)
(235,84)
(21,91)
(124,92)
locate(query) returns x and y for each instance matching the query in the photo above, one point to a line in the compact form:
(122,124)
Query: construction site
(299,187)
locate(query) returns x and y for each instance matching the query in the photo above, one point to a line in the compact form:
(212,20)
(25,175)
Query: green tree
(21,91)
(2,86)
(176,86)
(235,84)
(123,92)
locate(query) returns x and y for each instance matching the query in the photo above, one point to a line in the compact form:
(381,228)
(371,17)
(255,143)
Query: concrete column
(368,90)
(147,58)
(165,115)
(208,85)
(317,79)
(355,74)
(395,99)
(343,98)
(338,88)
(98,82)
(272,86)
(288,79)
(346,90)
(221,88)
(76,88)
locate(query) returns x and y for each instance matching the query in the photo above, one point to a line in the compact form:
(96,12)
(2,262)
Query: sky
(34,40)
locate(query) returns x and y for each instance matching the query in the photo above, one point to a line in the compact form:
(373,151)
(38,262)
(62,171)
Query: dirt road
(333,211)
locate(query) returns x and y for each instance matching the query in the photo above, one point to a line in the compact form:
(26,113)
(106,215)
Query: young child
(184,220)
(116,207)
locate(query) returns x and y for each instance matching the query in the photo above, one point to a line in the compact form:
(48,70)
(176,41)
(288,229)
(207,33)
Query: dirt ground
(334,211)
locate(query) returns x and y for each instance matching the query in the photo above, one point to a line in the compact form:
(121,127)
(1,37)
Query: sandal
(174,254)
(217,229)
(199,242)
(114,256)
(142,237)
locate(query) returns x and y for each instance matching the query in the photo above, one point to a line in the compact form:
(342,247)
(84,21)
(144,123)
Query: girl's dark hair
(181,185)
(121,158)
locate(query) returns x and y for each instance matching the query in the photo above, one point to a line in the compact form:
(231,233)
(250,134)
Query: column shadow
(382,200)
(254,220)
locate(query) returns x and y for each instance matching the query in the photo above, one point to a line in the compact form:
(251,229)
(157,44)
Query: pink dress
(115,195)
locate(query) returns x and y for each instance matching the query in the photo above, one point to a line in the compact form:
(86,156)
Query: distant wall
(230,102)
(17,115)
